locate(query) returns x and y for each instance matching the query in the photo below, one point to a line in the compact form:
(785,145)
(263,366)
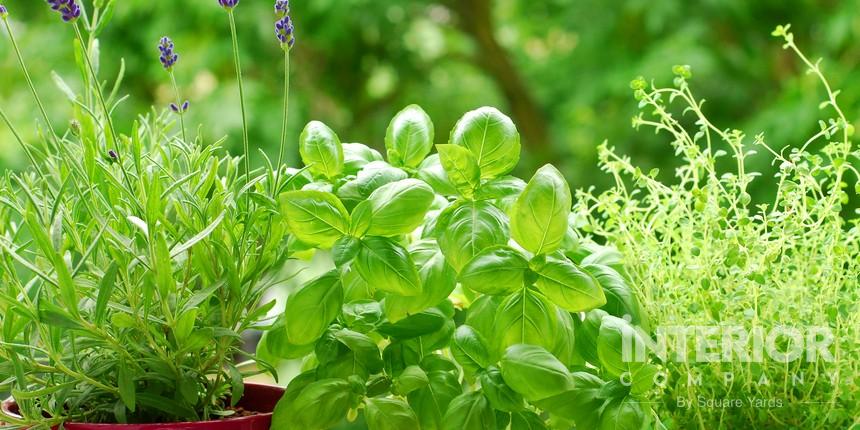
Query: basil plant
(459,296)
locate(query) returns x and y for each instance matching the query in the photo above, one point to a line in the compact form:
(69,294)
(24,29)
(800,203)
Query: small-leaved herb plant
(702,253)
(457,293)
(131,261)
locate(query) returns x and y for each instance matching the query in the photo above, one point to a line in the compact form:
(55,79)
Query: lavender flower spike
(168,57)
(282,8)
(3,12)
(228,4)
(284,31)
(68,9)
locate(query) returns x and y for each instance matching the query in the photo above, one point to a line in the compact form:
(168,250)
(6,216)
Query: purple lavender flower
(113,155)
(3,12)
(180,109)
(68,9)
(282,8)
(284,31)
(228,4)
(168,56)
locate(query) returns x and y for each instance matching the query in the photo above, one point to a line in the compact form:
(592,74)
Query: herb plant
(455,293)
(132,260)
(701,244)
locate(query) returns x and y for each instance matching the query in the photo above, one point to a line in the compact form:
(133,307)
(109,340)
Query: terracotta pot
(258,398)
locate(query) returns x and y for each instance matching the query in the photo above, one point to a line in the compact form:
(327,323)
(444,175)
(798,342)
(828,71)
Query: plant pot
(258,398)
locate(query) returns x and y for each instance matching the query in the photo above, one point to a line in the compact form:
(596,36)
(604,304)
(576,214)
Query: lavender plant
(131,261)
(702,244)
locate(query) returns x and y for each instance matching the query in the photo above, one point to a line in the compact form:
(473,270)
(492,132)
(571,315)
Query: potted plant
(133,261)
(457,293)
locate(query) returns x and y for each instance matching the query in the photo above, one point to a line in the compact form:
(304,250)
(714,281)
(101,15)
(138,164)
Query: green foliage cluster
(454,292)
(701,245)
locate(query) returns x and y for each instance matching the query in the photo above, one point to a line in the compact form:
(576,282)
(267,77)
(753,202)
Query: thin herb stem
(179,105)
(283,145)
(238,65)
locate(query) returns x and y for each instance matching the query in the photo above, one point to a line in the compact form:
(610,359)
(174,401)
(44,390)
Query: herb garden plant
(134,260)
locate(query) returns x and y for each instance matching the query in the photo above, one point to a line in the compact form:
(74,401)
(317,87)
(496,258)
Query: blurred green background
(560,68)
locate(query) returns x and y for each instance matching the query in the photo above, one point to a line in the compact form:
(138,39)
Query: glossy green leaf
(498,270)
(431,402)
(535,373)
(525,317)
(420,324)
(470,349)
(411,379)
(389,414)
(540,215)
(374,175)
(106,287)
(527,421)
(311,309)
(126,386)
(624,414)
(356,156)
(568,286)
(364,349)
(581,404)
(620,347)
(437,278)
(321,150)
(387,266)
(398,208)
(493,139)
(620,298)
(432,172)
(316,218)
(587,334)
(461,168)
(469,411)
(501,396)
(471,228)
(320,405)
(409,137)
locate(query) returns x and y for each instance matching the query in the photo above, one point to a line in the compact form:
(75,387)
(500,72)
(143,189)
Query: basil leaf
(387,266)
(587,334)
(371,177)
(411,379)
(620,299)
(624,414)
(409,137)
(498,270)
(431,402)
(321,150)
(535,373)
(539,218)
(502,191)
(316,218)
(500,395)
(437,278)
(356,156)
(420,324)
(620,347)
(527,421)
(568,286)
(398,207)
(432,172)
(469,348)
(364,349)
(461,168)
(482,314)
(321,404)
(344,250)
(581,404)
(525,317)
(469,411)
(565,341)
(389,414)
(311,309)
(493,139)
(471,228)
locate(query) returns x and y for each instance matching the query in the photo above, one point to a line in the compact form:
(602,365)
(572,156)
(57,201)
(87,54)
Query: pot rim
(10,403)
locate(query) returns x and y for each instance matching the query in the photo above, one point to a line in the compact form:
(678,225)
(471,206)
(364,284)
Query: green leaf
(525,317)
(184,325)
(431,402)
(499,270)
(624,414)
(469,411)
(581,404)
(472,228)
(409,137)
(126,385)
(470,349)
(567,286)
(370,178)
(364,349)
(311,309)
(316,218)
(345,250)
(535,373)
(106,287)
(437,278)
(321,150)
(540,215)
(356,156)
(387,266)
(461,168)
(237,384)
(620,347)
(320,405)
(493,139)
(412,378)
(620,298)
(587,334)
(432,172)
(527,421)
(389,414)
(500,395)
(420,324)
(398,207)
